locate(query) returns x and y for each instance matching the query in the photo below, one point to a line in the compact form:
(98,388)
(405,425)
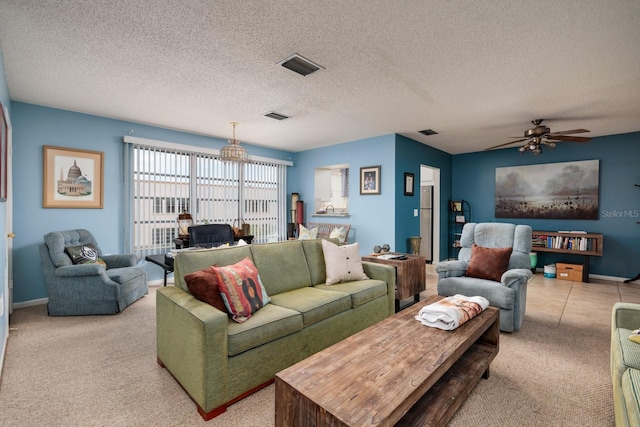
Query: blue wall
(372,216)
(474,181)
(4,98)
(36,126)
(410,155)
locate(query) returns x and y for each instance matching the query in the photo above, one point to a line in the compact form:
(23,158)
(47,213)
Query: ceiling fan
(540,135)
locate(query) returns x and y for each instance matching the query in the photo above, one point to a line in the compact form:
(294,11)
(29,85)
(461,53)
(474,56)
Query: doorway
(430,213)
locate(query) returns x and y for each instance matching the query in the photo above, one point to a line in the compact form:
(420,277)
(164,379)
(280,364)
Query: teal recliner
(89,288)
(510,293)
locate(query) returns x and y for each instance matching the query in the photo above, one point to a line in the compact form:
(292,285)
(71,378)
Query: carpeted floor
(102,371)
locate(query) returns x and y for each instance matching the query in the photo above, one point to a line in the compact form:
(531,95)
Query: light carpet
(102,371)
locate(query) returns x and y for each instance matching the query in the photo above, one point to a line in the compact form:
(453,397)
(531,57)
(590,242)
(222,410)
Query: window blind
(163,181)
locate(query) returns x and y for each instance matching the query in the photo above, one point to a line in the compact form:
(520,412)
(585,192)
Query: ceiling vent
(428,132)
(277,116)
(300,65)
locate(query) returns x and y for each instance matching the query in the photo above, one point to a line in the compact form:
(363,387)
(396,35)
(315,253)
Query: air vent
(428,132)
(277,116)
(300,65)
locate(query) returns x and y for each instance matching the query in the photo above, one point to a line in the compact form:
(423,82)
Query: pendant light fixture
(233,152)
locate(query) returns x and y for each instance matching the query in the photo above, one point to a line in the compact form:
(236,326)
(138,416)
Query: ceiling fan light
(537,151)
(551,144)
(522,149)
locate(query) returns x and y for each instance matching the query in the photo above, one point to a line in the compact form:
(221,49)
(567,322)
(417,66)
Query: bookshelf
(459,215)
(573,243)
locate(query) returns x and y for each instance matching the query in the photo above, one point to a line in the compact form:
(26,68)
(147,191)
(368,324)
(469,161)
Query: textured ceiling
(477,72)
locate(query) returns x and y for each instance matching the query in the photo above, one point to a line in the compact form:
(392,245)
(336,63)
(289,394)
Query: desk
(410,276)
(159,260)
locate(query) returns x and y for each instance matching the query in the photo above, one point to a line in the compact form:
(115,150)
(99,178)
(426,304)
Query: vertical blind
(163,181)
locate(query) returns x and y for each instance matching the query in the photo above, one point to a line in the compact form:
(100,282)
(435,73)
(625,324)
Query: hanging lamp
(233,152)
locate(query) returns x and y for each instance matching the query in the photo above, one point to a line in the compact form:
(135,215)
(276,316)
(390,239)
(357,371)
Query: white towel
(451,312)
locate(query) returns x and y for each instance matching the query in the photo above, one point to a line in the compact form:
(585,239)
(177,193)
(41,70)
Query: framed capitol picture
(370,180)
(72,178)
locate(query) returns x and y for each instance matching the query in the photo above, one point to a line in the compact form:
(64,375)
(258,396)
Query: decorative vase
(386,247)
(415,244)
(376,249)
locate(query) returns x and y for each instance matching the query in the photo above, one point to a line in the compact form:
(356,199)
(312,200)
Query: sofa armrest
(625,315)
(191,342)
(515,277)
(120,260)
(81,270)
(387,274)
(455,268)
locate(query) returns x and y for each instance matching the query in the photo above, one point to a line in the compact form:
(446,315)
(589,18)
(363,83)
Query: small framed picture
(460,219)
(456,206)
(370,180)
(408,184)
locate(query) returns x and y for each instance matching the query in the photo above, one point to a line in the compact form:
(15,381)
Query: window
(332,189)
(167,179)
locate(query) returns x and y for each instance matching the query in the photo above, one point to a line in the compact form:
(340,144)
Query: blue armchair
(89,288)
(510,293)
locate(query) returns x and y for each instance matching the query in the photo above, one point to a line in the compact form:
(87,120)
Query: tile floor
(565,303)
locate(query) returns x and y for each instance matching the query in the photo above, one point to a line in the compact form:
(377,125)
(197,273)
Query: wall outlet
(415,212)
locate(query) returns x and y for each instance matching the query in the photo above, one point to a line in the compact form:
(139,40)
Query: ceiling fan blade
(506,143)
(567,132)
(569,138)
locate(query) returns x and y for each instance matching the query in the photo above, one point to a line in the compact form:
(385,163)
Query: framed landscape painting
(72,178)
(567,190)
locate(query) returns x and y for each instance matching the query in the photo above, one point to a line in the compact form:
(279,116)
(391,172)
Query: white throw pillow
(306,234)
(339,233)
(343,263)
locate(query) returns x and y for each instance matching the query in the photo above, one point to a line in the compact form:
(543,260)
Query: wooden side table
(410,275)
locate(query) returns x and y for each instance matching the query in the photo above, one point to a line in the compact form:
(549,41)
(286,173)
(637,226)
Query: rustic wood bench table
(396,372)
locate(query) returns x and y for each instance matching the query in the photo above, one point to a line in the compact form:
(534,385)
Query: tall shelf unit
(459,215)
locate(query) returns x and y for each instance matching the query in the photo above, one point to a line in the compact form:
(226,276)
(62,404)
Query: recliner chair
(510,293)
(90,288)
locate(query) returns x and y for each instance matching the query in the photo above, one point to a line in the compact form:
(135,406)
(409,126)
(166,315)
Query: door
(426,221)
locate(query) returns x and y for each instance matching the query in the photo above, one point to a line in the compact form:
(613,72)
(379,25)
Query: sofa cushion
(84,254)
(194,260)
(499,296)
(123,275)
(631,394)
(315,260)
(307,234)
(241,289)
(282,265)
(204,286)
(339,233)
(268,324)
(488,263)
(314,304)
(361,291)
(342,263)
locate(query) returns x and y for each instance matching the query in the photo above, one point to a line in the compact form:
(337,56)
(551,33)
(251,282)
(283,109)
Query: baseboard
(595,276)
(30,303)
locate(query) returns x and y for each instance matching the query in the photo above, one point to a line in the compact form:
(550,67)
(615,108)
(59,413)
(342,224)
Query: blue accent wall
(410,155)
(619,207)
(36,126)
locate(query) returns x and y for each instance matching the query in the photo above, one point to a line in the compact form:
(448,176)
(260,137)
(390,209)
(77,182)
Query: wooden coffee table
(396,372)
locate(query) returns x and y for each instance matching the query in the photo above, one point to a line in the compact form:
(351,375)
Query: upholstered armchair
(493,262)
(81,280)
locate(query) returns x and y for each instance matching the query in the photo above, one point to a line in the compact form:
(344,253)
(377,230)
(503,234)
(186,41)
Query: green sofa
(218,361)
(625,364)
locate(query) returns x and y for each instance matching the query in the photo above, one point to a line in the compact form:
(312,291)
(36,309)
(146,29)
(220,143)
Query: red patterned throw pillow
(241,289)
(488,263)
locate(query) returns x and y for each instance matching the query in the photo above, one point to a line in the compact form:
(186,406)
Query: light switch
(415,212)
